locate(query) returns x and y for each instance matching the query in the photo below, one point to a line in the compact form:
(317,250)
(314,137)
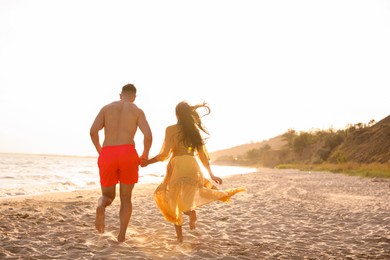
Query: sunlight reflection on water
(24,174)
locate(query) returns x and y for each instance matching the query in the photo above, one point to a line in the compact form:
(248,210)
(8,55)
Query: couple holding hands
(184,187)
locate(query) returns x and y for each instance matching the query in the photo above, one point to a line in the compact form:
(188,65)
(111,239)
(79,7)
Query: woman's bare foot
(121,238)
(192,219)
(180,239)
(99,221)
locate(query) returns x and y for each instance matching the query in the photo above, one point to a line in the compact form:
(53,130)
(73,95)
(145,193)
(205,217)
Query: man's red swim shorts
(118,164)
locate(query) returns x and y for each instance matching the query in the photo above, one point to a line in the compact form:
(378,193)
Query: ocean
(30,174)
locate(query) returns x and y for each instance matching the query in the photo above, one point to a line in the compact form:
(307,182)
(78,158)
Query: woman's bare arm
(203,157)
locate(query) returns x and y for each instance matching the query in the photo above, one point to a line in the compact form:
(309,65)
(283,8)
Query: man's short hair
(129,89)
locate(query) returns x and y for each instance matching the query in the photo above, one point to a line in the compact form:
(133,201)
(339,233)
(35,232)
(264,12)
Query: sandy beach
(285,214)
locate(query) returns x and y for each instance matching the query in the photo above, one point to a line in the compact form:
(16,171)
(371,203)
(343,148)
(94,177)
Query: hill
(276,143)
(360,143)
(369,144)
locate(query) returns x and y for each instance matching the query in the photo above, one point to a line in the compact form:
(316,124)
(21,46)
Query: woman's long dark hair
(191,123)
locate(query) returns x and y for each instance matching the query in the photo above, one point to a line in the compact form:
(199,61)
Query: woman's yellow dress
(184,187)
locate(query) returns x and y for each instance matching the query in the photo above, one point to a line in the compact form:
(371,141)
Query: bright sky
(263,66)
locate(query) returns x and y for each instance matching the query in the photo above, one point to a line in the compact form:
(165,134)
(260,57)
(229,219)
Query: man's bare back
(120,122)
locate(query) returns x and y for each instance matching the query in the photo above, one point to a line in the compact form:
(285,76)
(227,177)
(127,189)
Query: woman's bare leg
(192,215)
(179,233)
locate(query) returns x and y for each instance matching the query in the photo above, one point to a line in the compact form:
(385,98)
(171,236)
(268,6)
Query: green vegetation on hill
(359,149)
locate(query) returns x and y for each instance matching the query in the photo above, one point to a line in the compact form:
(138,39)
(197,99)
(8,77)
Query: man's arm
(143,125)
(97,125)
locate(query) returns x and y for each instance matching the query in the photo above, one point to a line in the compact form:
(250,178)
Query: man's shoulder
(138,110)
(114,103)
(121,104)
(136,107)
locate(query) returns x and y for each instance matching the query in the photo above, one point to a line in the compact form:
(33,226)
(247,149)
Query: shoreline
(284,214)
(84,176)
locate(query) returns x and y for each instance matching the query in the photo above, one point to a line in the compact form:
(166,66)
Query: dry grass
(357,169)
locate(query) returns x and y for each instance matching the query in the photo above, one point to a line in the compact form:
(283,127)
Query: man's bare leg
(179,233)
(108,196)
(125,209)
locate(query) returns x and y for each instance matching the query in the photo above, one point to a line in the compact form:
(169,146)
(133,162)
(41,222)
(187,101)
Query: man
(118,159)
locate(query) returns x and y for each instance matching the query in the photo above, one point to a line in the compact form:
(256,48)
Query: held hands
(144,161)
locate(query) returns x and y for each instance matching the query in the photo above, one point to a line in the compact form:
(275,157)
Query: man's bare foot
(192,219)
(99,221)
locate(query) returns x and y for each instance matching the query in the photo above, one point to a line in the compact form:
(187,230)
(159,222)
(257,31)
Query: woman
(184,187)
